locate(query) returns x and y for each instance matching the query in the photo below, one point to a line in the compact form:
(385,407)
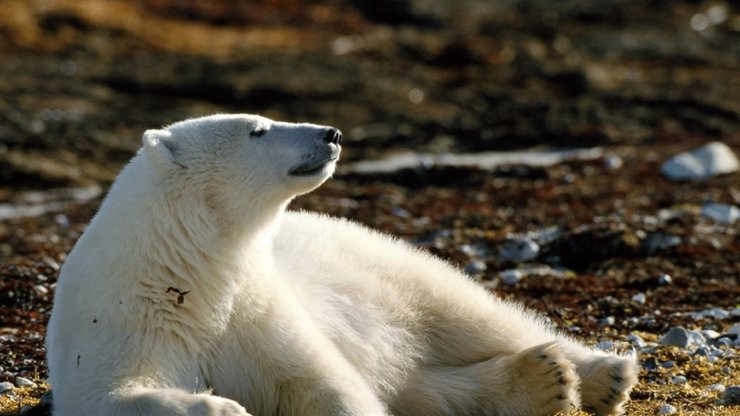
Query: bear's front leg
(301,370)
(148,401)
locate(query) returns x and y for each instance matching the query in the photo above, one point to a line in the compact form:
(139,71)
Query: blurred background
(81,79)
(609,247)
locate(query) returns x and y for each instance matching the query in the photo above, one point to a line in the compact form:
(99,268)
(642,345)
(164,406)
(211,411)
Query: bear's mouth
(311,168)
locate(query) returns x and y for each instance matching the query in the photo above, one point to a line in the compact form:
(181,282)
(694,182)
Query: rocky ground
(602,242)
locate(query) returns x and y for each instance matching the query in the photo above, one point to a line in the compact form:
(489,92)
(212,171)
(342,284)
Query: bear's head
(238,163)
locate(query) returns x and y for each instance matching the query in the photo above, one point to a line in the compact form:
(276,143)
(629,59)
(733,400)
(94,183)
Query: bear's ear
(159,147)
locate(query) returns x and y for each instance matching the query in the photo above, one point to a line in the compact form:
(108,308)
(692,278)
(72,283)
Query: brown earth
(81,80)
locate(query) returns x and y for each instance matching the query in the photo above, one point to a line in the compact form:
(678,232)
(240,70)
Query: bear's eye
(259,131)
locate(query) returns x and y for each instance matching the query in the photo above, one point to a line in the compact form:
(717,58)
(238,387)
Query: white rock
(722,213)
(511,276)
(639,298)
(636,341)
(709,160)
(715,387)
(24,382)
(667,409)
(679,380)
(6,386)
(519,249)
(677,336)
(734,330)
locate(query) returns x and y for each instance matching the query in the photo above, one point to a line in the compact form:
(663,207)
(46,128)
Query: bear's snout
(333,136)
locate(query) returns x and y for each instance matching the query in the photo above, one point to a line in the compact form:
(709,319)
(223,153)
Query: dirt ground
(80,80)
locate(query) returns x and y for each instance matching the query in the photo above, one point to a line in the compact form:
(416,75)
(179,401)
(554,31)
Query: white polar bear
(192,292)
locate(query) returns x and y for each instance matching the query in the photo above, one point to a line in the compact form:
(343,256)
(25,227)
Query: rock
(667,409)
(665,279)
(695,337)
(639,298)
(677,336)
(659,241)
(715,387)
(715,313)
(636,341)
(24,382)
(668,364)
(734,330)
(46,398)
(710,334)
(6,386)
(650,363)
(518,250)
(724,342)
(511,276)
(722,213)
(475,267)
(679,380)
(703,351)
(606,346)
(608,321)
(709,160)
(731,396)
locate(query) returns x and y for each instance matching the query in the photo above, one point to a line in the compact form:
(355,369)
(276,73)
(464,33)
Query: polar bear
(194,293)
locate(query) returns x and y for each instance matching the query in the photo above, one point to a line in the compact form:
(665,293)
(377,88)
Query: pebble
(636,341)
(511,276)
(677,336)
(712,159)
(660,241)
(6,386)
(613,162)
(608,321)
(24,382)
(734,330)
(639,298)
(475,267)
(715,313)
(710,334)
(667,409)
(731,396)
(715,387)
(668,364)
(722,213)
(695,337)
(665,279)
(679,380)
(519,250)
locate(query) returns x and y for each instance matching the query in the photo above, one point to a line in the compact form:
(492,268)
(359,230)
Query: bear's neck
(189,265)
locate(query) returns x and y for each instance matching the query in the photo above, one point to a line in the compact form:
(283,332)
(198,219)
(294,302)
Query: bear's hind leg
(606,379)
(538,381)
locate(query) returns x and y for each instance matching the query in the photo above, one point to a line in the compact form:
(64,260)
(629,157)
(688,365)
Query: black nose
(333,136)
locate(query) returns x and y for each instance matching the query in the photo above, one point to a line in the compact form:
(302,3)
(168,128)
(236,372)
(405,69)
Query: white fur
(193,293)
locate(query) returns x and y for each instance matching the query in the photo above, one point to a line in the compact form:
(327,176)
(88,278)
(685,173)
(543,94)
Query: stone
(24,382)
(731,396)
(6,386)
(677,336)
(667,409)
(712,159)
(639,298)
(511,276)
(721,213)
(679,380)
(519,250)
